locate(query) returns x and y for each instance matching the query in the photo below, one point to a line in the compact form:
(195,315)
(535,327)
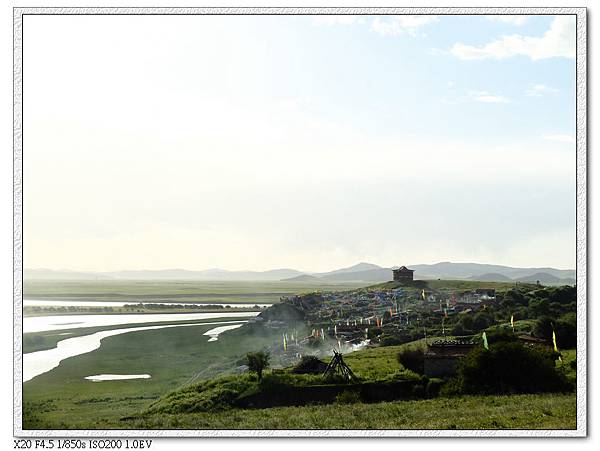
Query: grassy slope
(550,411)
(62,398)
(539,411)
(448,286)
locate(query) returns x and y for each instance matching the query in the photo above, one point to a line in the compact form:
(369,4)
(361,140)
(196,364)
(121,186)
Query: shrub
(543,328)
(482,321)
(348,397)
(257,362)
(500,335)
(509,368)
(418,391)
(565,328)
(433,387)
(309,364)
(412,359)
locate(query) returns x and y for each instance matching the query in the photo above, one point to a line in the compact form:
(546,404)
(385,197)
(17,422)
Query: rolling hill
(361,272)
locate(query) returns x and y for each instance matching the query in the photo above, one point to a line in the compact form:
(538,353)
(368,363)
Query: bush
(565,328)
(348,397)
(395,340)
(412,359)
(418,391)
(257,362)
(509,368)
(543,328)
(433,387)
(500,335)
(482,321)
(309,364)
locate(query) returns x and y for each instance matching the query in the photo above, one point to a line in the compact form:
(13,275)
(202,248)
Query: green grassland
(464,285)
(173,290)
(548,411)
(178,357)
(62,398)
(450,286)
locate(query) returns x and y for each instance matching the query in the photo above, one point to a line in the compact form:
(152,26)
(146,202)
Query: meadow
(540,411)
(63,399)
(174,291)
(177,358)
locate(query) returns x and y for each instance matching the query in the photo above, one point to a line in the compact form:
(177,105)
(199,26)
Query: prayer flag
(485,342)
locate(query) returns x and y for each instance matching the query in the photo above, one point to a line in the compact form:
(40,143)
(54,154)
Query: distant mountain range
(361,272)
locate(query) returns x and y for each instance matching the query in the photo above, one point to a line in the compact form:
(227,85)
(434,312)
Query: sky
(307,142)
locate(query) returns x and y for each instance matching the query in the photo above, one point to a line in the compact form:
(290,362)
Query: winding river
(58,322)
(36,363)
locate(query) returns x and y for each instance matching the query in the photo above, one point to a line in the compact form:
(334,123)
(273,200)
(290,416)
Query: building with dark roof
(403,274)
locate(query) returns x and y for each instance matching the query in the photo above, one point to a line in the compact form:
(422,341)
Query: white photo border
(581,214)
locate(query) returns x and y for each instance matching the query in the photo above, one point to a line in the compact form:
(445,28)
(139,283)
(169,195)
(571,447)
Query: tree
(412,359)
(257,362)
(543,328)
(482,321)
(510,368)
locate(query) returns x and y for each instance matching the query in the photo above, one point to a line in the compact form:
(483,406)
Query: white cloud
(486,97)
(562,138)
(510,19)
(557,42)
(338,19)
(401,25)
(538,90)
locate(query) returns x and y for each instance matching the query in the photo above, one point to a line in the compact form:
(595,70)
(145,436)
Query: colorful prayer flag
(423,294)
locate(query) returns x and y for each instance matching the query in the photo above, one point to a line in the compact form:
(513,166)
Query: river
(40,362)
(58,322)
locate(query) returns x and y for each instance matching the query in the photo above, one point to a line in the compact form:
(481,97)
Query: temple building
(403,274)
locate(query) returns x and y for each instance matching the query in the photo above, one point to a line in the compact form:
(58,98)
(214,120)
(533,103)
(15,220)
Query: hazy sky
(257,142)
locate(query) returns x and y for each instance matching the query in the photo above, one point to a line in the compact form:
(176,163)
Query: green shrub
(418,391)
(348,397)
(412,359)
(565,329)
(500,335)
(509,368)
(257,362)
(309,364)
(433,387)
